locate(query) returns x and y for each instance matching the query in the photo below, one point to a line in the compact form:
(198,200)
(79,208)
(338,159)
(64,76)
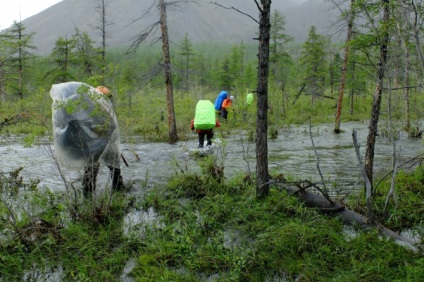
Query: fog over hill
(202,20)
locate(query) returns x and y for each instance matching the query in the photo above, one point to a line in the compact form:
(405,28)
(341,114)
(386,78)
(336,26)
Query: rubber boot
(117,180)
(201,140)
(89,179)
(209,137)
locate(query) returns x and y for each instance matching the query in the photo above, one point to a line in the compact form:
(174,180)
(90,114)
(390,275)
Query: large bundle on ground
(85,127)
(204,117)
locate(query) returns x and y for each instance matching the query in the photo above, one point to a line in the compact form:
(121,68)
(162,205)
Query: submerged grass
(212,229)
(228,234)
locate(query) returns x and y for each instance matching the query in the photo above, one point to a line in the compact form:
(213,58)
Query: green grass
(147,116)
(209,227)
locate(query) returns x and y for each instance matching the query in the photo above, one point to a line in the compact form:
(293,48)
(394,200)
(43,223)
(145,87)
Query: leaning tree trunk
(344,68)
(262,189)
(172,127)
(375,112)
(349,217)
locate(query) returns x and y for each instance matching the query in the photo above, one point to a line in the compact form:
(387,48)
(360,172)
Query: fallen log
(349,217)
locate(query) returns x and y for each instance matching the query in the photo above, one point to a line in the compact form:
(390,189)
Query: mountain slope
(202,21)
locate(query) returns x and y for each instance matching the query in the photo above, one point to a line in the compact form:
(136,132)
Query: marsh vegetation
(201,223)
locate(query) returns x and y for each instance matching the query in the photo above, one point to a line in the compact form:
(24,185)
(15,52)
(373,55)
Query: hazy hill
(202,20)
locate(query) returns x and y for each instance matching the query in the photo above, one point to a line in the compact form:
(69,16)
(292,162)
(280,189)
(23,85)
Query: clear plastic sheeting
(85,127)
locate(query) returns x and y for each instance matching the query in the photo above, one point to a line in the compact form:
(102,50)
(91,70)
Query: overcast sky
(15,10)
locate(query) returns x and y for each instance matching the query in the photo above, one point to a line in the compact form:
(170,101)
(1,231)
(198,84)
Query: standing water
(291,153)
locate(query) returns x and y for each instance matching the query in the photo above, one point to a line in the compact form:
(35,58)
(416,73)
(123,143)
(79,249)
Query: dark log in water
(348,217)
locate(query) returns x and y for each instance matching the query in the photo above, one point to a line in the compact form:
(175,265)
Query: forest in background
(310,72)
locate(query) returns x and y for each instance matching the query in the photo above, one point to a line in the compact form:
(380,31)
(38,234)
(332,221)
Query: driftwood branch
(302,186)
(324,192)
(364,175)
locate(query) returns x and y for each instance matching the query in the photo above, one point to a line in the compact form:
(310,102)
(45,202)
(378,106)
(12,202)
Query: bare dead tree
(375,112)
(167,66)
(102,11)
(344,68)
(262,175)
(172,131)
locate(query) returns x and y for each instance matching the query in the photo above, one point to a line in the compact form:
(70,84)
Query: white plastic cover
(85,127)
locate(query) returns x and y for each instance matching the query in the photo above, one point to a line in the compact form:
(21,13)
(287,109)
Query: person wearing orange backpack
(225,105)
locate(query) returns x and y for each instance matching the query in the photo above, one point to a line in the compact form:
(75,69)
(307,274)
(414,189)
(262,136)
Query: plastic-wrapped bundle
(85,127)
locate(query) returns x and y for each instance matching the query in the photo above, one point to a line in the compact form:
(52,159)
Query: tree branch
(259,6)
(233,8)
(325,193)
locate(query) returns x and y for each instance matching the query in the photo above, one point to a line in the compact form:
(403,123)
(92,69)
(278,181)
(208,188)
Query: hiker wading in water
(86,132)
